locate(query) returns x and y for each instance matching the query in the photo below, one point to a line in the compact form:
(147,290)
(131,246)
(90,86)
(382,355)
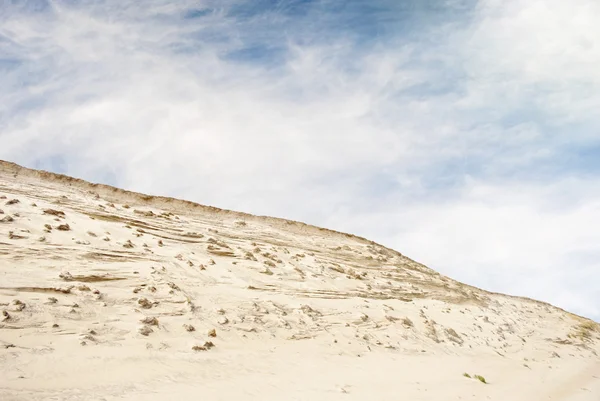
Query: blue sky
(465,134)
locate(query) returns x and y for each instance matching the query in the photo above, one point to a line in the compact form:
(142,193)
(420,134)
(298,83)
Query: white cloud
(511,238)
(546,51)
(446,144)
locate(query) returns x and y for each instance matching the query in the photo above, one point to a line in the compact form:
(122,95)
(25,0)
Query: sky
(463,133)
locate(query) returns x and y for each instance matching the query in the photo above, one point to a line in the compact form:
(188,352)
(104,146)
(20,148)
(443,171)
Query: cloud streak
(462,133)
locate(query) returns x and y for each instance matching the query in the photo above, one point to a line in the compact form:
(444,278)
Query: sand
(112,295)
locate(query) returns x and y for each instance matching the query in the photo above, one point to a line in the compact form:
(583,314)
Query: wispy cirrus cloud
(462,133)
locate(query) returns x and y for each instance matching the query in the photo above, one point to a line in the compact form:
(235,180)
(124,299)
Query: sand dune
(108,294)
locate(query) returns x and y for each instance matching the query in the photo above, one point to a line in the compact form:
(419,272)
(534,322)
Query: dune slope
(108,294)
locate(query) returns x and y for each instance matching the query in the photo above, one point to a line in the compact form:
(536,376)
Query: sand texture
(112,295)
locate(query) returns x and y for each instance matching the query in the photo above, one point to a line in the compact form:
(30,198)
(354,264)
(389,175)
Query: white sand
(300,313)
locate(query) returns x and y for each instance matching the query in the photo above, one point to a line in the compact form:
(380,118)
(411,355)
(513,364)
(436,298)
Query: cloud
(461,133)
(520,239)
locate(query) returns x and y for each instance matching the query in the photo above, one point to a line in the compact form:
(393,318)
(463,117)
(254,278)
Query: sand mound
(111,294)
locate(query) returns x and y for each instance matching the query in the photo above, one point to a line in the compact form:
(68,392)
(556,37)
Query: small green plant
(591,326)
(584,331)
(478,377)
